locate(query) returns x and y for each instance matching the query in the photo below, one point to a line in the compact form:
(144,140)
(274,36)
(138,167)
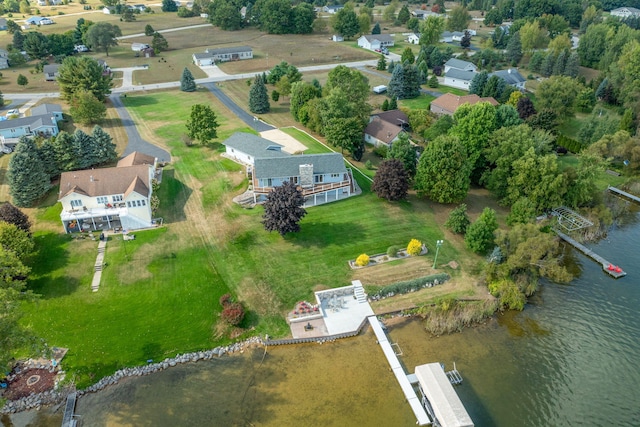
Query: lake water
(571,358)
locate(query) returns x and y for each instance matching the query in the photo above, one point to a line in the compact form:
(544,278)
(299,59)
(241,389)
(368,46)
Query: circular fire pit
(32,380)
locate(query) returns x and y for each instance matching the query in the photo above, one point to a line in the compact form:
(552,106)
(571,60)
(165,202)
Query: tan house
(109,198)
(384,128)
(449,103)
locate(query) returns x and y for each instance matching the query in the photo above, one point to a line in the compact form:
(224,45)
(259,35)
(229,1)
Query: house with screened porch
(117,198)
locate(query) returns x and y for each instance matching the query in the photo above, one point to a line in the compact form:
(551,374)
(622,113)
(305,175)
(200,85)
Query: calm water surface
(571,358)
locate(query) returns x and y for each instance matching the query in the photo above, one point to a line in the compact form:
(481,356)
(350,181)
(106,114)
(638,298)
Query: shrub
(225,300)
(415,247)
(392,251)
(381,151)
(368,165)
(233,313)
(362,260)
(409,285)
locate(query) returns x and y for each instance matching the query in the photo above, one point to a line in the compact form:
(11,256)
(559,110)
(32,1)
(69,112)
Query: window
(293,179)
(129,205)
(117,198)
(144,202)
(335,175)
(103,200)
(76,203)
(138,203)
(318,178)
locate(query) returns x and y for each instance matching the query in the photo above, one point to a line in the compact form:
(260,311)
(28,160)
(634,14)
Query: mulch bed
(27,382)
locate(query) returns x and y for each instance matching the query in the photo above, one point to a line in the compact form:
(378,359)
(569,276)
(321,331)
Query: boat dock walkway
(608,267)
(398,371)
(69,409)
(625,194)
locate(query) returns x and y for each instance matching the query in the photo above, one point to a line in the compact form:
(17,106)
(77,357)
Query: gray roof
(511,76)
(459,63)
(51,68)
(380,37)
(43,109)
(454,73)
(202,55)
(254,146)
(223,50)
(32,121)
(630,9)
(283,167)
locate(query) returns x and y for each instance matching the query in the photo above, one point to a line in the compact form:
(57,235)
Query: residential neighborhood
(301,204)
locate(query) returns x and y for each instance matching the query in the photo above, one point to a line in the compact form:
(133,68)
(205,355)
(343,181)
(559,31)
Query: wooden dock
(610,268)
(69,409)
(624,194)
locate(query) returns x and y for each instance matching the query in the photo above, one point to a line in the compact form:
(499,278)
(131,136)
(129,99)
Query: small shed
(337,38)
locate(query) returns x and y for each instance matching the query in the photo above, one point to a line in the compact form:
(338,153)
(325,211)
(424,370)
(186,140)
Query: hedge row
(410,285)
(569,143)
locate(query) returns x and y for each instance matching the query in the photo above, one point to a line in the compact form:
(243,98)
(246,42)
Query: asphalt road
(136,143)
(255,123)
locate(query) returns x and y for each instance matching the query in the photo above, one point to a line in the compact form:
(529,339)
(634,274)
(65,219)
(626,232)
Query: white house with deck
(109,198)
(323,178)
(375,41)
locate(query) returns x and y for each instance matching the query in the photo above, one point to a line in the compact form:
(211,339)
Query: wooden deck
(624,194)
(610,268)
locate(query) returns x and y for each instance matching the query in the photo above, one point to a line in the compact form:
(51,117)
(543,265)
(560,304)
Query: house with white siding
(109,198)
(375,41)
(626,12)
(459,64)
(458,78)
(384,128)
(322,178)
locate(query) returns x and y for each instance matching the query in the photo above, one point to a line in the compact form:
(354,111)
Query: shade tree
(102,35)
(202,124)
(78,73)
(391,180)
(283,209)
(480,236)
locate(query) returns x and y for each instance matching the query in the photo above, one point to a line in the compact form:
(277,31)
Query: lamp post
(438,244)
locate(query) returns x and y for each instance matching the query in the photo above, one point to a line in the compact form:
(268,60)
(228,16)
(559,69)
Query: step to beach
(358,292)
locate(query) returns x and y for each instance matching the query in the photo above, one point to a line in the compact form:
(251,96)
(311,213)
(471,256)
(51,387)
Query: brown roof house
(449,103)
(109,198)
(384,128)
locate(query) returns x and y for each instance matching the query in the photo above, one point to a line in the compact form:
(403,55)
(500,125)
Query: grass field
(421,102)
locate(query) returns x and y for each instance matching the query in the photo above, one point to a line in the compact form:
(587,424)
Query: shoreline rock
(51,397)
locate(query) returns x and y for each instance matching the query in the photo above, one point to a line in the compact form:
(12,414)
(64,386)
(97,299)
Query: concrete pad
(289,143)
(213,71)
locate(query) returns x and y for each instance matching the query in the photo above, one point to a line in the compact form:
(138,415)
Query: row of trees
(32,166)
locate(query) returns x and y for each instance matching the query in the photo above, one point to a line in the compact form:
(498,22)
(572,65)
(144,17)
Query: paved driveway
(136,143)
(250,120)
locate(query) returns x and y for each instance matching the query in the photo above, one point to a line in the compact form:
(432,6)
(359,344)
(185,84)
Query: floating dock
(612,270)
(624,194)
(398,371)
(69,409)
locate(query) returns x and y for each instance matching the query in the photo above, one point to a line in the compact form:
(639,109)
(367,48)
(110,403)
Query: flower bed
(382,258)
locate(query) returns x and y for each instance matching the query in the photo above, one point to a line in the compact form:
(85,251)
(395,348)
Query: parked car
(81,48)
(12,112)
(6,150)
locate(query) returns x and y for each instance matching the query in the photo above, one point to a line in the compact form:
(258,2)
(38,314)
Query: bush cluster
(392,252)
(362,260)
(569,143)
(232,312)
(414,247)
(410,285)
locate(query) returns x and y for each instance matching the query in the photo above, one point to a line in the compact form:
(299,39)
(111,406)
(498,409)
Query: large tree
(558,93)
(36,45)
(187,82)
(87,109)
(13,215)
(258,97)
(430,30)
(403,150)
(391,181)
(78,73)
(226,15)
(283,209)
(103,145)
(84,150)
(202,124)
(301,93)
(459,18)
(458,220)
(102,35)
(346,23)
(444,170)
(27,178)
(275,16)
(480,235)
(346,133)
(303,17)
(159,43)
(474,124)
(353,83)
(169,6)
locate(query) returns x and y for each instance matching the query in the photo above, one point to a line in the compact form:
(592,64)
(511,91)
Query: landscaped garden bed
(392,254)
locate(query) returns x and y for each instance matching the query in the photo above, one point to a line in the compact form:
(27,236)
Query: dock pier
(624,194)
(612,270)
(68,419)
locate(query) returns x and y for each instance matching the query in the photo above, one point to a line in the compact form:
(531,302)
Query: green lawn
(603,179)
(421,102)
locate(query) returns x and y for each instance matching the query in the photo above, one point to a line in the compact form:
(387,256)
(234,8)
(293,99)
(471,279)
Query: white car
(13,112)
(81,48)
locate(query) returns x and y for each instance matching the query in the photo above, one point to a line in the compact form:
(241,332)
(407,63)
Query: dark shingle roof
(290,166)
(33,121)
(511,76)
(385,38)
(455,73)
(223,50)
(46,109)
(103,182)
(254,146)
(459,64)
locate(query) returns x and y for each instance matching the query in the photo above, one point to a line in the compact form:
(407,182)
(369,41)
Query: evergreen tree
(478,83)
(433,81)
(396,84)
(258,97)
(376,29)
(391,66)
(385,105)
(407,56)
(187,82)
(148,30)
(571,67)
(48,156)
(561,61)
(27,178)
(546,68)
(492,88)
(411,81)
(514,50)
(104,147)
(403,15)
(458,220)
(535,63)
(393,104)
(382,63)
(169,6)
(159,43)
(84,150)
(64,152)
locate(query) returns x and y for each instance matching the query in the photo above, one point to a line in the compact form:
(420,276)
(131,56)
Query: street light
(438,244)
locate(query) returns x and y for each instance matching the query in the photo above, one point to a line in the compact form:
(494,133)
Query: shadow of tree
(173,196)
(50,256)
